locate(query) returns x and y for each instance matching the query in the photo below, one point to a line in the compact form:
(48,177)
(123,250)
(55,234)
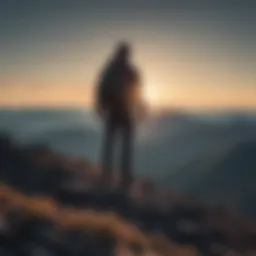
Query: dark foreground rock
(52,205)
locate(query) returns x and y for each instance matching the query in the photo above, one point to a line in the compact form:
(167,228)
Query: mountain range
(208,155)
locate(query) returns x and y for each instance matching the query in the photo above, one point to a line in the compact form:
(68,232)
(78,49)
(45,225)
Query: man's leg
(107,158)
(126,158)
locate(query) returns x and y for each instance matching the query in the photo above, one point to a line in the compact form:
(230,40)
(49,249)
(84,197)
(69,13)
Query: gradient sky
(195,54)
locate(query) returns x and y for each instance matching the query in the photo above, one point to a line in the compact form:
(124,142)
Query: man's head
(123,52)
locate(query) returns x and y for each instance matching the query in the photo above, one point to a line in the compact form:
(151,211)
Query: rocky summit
(52,204)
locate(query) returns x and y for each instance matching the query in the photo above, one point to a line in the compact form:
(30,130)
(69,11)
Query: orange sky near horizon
(167,83)
(82,96)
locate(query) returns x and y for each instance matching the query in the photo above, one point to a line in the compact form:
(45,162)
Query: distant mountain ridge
(228,178)
(173,148)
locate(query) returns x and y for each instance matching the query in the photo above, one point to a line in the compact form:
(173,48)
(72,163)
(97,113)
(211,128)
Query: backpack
(118,86)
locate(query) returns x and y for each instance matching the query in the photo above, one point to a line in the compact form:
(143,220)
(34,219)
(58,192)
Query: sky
(194,54)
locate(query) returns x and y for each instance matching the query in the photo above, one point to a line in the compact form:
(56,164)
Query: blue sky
(191,53)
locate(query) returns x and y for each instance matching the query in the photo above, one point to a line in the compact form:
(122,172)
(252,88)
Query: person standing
(118,97)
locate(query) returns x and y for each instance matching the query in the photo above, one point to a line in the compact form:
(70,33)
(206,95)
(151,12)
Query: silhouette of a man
(117,97)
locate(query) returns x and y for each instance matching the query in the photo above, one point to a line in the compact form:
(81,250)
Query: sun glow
(150,95)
